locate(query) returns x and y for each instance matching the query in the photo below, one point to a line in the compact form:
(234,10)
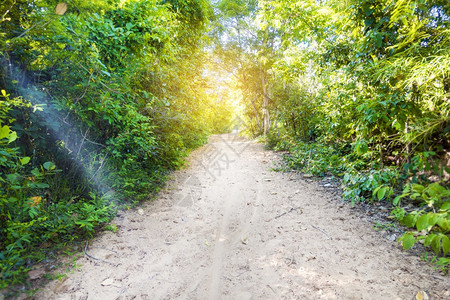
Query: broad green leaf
(445,206)
(406,189)
(24,160)
(429,238)
(422,222)
(433,218)
(445,244)
(49,166)
(398,199)
(375,191)
(35,172)
(415,195)
(382,192)
(4,131)
(436,244)
(12,137)
(361,147)
(444,224)
(435,188)
(409,220)
(4,93)
(417,188)
(407,241)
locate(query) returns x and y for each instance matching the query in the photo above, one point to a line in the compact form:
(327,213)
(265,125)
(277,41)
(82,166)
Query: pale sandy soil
(229,228)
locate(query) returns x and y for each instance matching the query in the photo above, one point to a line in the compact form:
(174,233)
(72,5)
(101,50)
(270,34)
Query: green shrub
(316,159)
(431,222)
(373,185)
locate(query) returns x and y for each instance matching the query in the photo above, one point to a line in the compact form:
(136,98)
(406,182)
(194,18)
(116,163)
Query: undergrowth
(100,101)
(32,224)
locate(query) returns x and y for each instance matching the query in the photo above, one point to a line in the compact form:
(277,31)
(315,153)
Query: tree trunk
(256,115)
(265,107)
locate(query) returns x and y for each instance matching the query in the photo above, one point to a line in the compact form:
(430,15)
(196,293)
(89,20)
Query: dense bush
(100,100)
(367,99)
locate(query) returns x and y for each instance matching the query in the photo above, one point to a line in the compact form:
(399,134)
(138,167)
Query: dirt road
(229,228)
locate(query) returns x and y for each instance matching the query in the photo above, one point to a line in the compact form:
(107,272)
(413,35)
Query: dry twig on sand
(323,231)
(95,258)
(291,210)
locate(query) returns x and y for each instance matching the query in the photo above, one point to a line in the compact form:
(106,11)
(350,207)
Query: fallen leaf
(36,274)
(61,8)
(422,295)
(140,211)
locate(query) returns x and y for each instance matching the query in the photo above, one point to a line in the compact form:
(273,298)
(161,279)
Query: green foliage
(192,12)
(433,195)
(441,263)
(130,32)
(432,222)
(374,185)
(316,159)
(360,89)
(357,86)
(98,105)
(28,217)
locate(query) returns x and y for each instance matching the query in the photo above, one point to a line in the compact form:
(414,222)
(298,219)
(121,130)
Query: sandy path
(219,232)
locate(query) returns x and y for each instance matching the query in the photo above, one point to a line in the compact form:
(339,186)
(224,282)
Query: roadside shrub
(316,159)
(431,223)
(373,185)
